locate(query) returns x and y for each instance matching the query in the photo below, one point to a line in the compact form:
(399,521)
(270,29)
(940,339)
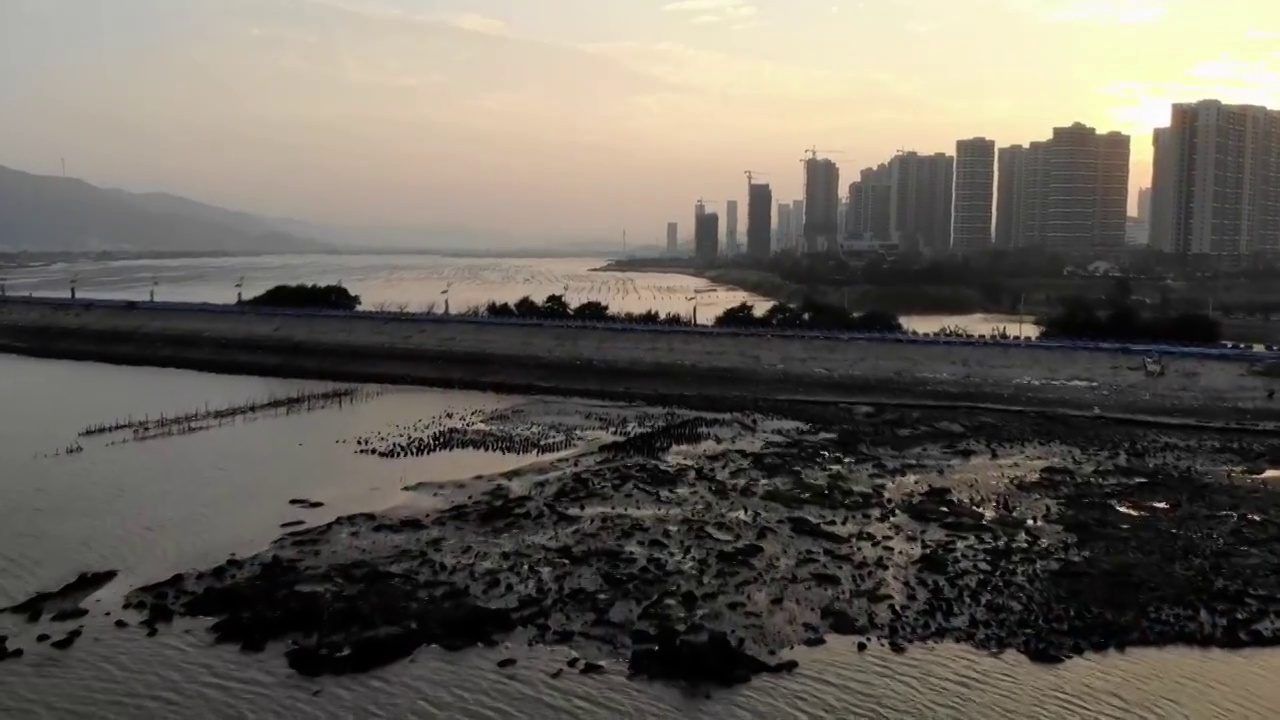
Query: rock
(825,579)
(358,655)
(740,555)
(506,662)
(815,641)
(711,660)
(573,661)
(591,668)
(84,585)
(804,526)
(841,622)
(63,643)
(862,646)
(160,612)
(121,623)
(68,614)
(43,637)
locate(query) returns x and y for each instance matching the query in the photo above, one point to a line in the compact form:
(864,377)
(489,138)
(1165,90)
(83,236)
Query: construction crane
(751,175)
(813,153)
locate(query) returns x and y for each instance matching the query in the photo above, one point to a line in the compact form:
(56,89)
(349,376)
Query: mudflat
(701,546)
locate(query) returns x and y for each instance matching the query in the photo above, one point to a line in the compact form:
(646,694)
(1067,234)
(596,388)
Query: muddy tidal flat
(700,547)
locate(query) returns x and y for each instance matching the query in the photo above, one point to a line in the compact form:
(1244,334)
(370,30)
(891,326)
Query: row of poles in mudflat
(300,401)
(155,283)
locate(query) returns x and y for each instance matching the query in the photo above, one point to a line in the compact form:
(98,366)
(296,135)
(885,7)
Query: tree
(782,315)
(528,308)
(742,315)
(316,297)
(556,308)
(499,310)
(592,311)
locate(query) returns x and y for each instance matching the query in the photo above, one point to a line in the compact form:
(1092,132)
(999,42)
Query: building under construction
(759,220)
(706,237)
(821,205)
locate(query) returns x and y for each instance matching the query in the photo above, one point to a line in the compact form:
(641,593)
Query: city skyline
(412,112)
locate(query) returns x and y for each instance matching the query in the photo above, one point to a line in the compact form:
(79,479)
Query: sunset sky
(579,118)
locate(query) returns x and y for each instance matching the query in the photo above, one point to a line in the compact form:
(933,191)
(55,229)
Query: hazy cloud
(479,23)
(1111,12)
(704,12)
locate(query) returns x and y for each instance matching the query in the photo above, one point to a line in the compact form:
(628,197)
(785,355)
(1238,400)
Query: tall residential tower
(731,227)
(974,187)
(920,201)
(1069,194)
(1216,180)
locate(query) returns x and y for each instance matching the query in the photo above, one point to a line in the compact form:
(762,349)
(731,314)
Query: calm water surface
(154,508)
(419,282)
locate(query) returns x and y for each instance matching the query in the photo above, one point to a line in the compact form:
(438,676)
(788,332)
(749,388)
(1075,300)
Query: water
(418,282)
(392,282)
(154,508)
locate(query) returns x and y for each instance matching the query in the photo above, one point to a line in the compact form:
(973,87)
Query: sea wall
(598,361)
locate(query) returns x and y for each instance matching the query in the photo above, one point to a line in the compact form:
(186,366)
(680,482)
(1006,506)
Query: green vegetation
(809,315)
(1119,320)
(1007,281)
(310,297)
(555,307)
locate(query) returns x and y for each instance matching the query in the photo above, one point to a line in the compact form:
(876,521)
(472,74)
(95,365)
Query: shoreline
(721,370)
(1234,328)
(945,502)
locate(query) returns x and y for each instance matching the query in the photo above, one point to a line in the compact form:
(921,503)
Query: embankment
(631,364)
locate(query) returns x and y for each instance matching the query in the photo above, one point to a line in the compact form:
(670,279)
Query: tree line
(1118,319)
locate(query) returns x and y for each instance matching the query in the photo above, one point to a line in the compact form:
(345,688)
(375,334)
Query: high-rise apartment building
(796,234)
(1010,187)
(1069,193)
(920,201)
(706,237)
(672,237)
(1164,173)
(974,187)
(870,203)
(1216,180)
(821,204)
(1144,204)
(759,220)
(784,226)
(731,227)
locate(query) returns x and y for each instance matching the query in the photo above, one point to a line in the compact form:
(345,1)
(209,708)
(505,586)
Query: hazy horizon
(579,118)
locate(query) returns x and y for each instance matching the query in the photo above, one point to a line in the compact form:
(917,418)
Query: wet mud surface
(701,546)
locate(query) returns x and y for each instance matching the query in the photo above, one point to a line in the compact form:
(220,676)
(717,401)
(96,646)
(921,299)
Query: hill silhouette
(41,213)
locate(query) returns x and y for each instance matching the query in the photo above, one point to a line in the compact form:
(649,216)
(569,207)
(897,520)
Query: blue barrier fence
(1223,352)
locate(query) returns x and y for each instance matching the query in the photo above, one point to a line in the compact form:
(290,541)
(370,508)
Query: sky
(538,119)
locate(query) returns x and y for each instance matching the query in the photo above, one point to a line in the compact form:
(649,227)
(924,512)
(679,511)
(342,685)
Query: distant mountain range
(40,213)
(49,214)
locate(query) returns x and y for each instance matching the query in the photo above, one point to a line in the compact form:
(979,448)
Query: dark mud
(700,547)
